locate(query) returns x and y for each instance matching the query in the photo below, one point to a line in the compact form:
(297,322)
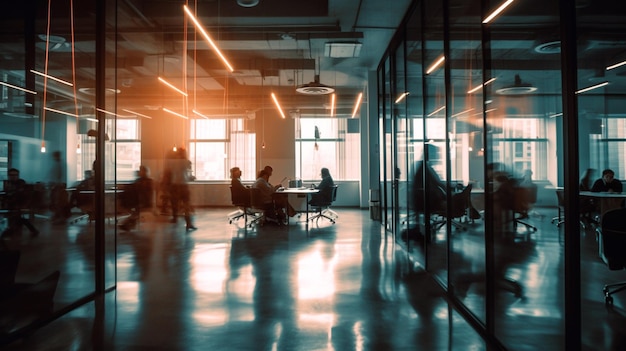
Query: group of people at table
(275,204)
(592,203)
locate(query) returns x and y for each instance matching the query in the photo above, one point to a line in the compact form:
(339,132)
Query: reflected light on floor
(208,272)
(209,317)
(316,276)
(128,296)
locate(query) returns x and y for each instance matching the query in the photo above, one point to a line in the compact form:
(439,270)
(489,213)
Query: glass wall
(486,116)
(48,231)
(601,89)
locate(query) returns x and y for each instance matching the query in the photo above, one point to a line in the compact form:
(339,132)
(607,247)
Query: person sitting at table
(325,187)
(280,200)
(16,198)
(266,192)
(608,183)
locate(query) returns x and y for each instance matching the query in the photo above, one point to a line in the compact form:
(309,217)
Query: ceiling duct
(315,88)
(518,88)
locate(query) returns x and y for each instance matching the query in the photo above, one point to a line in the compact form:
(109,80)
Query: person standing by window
(180,175)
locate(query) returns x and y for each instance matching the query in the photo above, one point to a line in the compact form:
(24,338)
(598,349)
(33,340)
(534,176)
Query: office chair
(263,212)
(460,206)
(242,200)
(322,206)
(612,248)
(523,199)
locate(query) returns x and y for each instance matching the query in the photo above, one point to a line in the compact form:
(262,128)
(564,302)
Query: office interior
(538,87)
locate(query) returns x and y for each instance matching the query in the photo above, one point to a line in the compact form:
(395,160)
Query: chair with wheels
(460,206)
(612,248)
(242,200)
(321,204)
(523,199)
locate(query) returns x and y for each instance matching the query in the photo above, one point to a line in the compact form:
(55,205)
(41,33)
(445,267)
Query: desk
(608,201)
(300,191)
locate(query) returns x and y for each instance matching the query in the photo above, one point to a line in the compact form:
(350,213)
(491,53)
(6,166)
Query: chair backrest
(523,198)
(460,202)
(240,197)
(560,197)
(256,200)
(613,236)
(334,193)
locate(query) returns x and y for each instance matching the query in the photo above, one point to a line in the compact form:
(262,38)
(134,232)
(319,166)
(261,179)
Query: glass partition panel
(521,105)
(602,146)
(401,156)
(465,128)
(46,224)
(389,147)
(434,158)
(415,225)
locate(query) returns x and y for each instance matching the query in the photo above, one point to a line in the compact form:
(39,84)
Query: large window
(216,145)
(327,142)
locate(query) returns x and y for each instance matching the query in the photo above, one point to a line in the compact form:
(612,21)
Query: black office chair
(322,204)
(242,200)
(612,242)
(523,199)
(459,209)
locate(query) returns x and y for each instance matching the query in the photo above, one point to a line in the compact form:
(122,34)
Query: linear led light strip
(207,37)
(357,104)
(497,11)
(60,112)
(480,86)
(172,86)
(200,114)
(332,105)
(175,113)
(592,87)
(401,97)
(437,110)
(113,113)
(137,113)
(436,64)
(18,88)
(619,64)
(278,106)
(52,77)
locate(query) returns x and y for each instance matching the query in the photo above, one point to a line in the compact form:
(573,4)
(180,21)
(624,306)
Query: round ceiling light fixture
(315,88)
(518,88)
(550,47)
(248,3)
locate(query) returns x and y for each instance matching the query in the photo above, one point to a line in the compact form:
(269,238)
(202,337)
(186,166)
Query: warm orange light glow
(497,11)
(280,109)
(43,146)
(402,96)
(113,113)
(481,86)
(200,114)
(357,105)
(207,37)
(175,113)
(332,105)
(436,64)
(172,86)
(137,113)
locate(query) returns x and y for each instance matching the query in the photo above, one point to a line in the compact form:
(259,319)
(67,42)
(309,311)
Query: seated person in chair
(266,192)
(325,187)
(240,192)
(137,196)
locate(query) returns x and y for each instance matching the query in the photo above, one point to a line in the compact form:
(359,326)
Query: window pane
(209,160)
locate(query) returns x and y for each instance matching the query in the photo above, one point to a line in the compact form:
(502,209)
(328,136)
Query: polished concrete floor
(343,286)
(338,286)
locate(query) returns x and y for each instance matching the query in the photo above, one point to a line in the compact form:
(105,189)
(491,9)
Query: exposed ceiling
(274,46)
